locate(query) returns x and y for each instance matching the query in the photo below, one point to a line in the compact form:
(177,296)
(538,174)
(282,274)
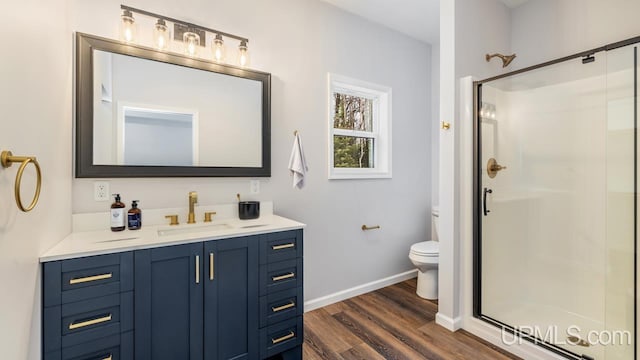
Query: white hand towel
(298,163)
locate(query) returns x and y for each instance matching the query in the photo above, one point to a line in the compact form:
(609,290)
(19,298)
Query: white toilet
(424,255)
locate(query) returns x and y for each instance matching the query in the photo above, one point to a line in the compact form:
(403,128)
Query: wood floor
(390,323)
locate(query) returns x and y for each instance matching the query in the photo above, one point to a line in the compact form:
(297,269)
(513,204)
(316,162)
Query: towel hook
(7,159)
(295,132)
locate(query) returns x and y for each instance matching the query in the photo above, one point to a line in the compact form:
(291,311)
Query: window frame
(381,135)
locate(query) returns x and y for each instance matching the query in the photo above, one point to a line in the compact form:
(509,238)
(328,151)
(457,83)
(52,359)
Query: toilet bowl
(425,255)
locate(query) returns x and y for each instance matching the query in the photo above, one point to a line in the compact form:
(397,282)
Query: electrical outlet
(101,191)
(254,187)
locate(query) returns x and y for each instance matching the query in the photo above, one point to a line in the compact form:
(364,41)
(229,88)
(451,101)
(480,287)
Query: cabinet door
(231,299)
(169,302)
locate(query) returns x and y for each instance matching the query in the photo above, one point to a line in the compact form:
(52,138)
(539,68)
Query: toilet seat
(426,248)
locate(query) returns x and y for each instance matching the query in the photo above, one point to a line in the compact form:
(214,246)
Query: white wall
(298,42)
(35,98)
(544,30)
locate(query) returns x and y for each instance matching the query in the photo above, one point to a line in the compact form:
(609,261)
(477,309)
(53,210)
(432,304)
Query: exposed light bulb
(191,42)
(161,34)
(218,49)
(128,27)
(243,54)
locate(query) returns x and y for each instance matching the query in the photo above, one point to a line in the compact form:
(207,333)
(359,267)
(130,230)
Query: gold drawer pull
(283,277)
(74,326)
(197,269)
(90,278)
(283,307)
(281,339)
(211,273)
(283,246)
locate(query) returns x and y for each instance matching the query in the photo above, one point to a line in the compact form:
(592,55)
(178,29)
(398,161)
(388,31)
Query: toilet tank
(435,217)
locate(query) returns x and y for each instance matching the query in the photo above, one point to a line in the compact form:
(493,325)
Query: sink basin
(186,229)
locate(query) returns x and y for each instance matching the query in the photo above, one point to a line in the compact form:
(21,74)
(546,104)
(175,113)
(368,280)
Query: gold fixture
(110,357)
(493,167)
(283,307)
(283,277)
(295,132)
(208,215)
(506,59)
(197,269)
(82,324)
(90,279)
(365,227)
(574,340)
(193,200)
(7,159)
(211,266)
(281,339)
(173,218)
(445,125)
(282,246)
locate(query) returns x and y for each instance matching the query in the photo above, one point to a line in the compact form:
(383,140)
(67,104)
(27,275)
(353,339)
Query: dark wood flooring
(390,323)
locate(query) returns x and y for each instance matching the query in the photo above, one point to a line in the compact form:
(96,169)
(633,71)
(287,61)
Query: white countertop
(99,242)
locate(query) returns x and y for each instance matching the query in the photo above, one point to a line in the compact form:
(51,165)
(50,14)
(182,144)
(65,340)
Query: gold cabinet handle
(82,324)
(445,125)
(197,269)
(281,339)
(283,246)
(283,307)
(7,159)
(365,227)
(283,277)
(90,278)
(208,215)
(110,357)
(211,273)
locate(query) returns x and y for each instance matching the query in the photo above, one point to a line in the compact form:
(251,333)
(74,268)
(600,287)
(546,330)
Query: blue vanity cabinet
(169,303)
(197,301)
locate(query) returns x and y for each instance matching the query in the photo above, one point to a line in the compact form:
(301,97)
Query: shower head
(506,59)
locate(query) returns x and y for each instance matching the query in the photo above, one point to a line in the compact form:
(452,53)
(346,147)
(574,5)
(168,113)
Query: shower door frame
(477,203)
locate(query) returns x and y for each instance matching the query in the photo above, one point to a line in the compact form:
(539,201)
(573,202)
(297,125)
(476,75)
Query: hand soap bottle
(117,214)
(134,216)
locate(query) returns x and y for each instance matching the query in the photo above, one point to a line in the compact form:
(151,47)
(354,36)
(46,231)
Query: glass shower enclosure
(555,194)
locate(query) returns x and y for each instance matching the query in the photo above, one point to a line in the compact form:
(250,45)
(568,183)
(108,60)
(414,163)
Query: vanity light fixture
(161,35)
(191,42)
(191,34)
(243,54)
(218,49)
(128,26)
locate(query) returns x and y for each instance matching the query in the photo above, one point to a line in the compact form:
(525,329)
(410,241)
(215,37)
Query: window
(359,129)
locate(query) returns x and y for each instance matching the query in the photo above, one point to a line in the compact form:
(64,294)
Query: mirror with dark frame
(147,113)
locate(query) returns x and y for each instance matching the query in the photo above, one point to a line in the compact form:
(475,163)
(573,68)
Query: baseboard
(358,290)
(449,323)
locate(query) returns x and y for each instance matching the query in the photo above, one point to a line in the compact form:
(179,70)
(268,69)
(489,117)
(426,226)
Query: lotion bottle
(134,216)
(117,214)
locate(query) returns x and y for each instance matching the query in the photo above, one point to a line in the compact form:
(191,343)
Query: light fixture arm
(191,25)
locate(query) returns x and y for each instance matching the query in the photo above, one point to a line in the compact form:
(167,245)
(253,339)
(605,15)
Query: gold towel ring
(7,159)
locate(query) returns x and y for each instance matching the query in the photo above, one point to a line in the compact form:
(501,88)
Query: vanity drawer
(76,323)
(73,280)
(280,337)
(281,306)
(114,347)
(280,246)
(280,276)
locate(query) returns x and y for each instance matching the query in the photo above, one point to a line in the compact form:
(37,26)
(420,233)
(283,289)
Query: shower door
(555,205)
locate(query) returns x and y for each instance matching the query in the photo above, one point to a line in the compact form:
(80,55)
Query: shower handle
(484,201)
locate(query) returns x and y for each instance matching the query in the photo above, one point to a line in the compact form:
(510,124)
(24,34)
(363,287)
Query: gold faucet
(193,200)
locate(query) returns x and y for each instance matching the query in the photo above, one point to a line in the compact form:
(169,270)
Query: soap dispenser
(117,214)
(134,216)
